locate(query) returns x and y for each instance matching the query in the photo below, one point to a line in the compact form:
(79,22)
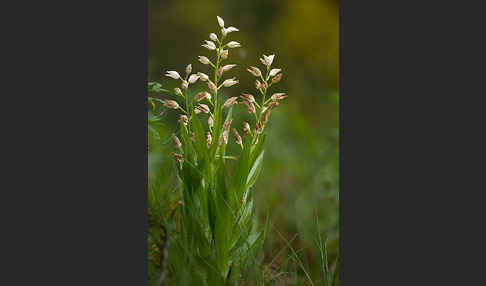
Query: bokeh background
(299,182)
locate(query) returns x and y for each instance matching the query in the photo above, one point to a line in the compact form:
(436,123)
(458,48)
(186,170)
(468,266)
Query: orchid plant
(213,229)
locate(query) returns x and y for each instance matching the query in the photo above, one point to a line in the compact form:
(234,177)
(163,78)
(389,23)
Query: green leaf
(200,137)
(255,170)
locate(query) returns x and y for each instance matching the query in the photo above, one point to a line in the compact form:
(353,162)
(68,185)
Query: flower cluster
(210,103)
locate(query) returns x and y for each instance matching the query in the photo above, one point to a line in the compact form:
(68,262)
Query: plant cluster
(214,233)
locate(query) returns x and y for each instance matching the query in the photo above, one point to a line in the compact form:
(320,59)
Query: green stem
(183,110)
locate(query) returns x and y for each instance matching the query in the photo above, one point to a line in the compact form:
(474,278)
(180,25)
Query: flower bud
(178,157)
(177,91)
(230,82)
(212,87)
(250,107)
(173,74)
(224,138)
(193,78)
(255,71)
(228,67)
(277,78)
(210,121)
(231,29)
(184,84)
(220,72)
(264,86)
(224,54)
(171,104)
(237,136)
(274,72)
(209,139)
(220,21)
(246,127)
(258,128)
(204,60)
(278,96)
(177,142)
(266,115)
(201,108)
(230,101)
(203,76)
(184,119)
(248,97)
(202,95)
(258,85)
(188,69)
(267,60)
(213,37)
(233,44)
(272,104)
(209,45)
(227,124)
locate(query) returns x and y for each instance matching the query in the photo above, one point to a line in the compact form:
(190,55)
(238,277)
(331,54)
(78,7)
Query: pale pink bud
(178,157)
(227,124)
(274,72)
(258,128)
(246,127)
(177,142)
(184,84)
(184,119)
(258,85)
(171,104)
(272,104)
(224,54)
(250,107)
(209,139)
(212,87)
(248,97)
(224,138)
(203,76)
(202,95)
(277,78)
(230,82)
(193,78)
(233,44)
(188,69)
(264,86)
(230,101)
(220,21)
(173,74)
(201,108)
(267,60)
(177,91)
(278,96)
(213,37)
(255,71)
(204,60)
(211,121)
(228,67)
(237,136)
(266,115)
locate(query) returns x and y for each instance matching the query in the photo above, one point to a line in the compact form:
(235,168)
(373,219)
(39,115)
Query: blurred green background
(300,176)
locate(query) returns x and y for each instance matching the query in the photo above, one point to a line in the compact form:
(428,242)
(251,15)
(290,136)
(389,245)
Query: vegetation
(211,222)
